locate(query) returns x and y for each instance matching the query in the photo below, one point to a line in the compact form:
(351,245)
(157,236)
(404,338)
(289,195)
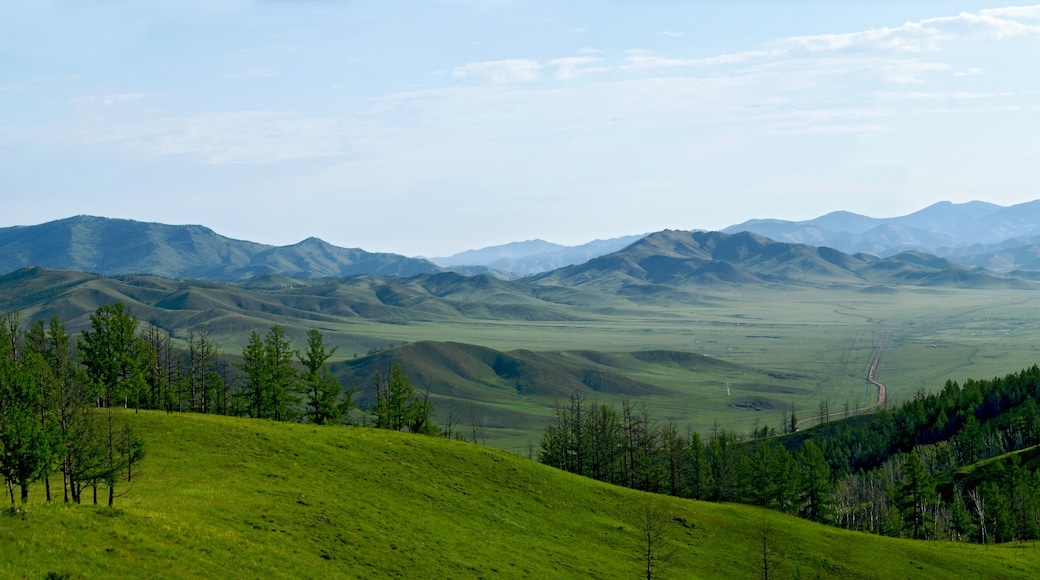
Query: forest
(58,396)
(961,464)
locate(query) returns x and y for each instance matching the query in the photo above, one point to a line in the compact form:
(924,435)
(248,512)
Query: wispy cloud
(912,72)
(571,67)
(241,137)
(943,95)
(1027,12)
(501,71)
(108,99)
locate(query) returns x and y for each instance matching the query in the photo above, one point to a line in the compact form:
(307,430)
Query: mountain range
(533,256)
(974,234)
(969,235)
(116,246)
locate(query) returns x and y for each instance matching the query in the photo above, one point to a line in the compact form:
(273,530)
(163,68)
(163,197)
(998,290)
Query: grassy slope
(225,497)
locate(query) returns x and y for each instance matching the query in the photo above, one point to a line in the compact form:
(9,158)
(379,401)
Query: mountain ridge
(946,229)
(110,246)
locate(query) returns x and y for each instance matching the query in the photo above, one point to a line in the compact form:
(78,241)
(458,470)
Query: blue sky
(432,127)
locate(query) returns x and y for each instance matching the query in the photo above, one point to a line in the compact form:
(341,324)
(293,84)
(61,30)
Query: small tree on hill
(321,387)
(398,406)
(116,359)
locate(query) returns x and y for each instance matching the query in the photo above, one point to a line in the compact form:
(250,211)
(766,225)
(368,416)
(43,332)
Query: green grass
(782,347)
(238,498)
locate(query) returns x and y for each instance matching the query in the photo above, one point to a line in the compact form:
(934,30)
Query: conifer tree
(915,491)
(322,388)
(815,485)
(115,357)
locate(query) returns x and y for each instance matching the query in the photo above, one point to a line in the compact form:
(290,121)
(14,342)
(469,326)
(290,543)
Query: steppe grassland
(816,344)
(234,497)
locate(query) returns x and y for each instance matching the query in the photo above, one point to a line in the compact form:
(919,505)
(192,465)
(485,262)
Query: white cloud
(571,67)
(1032,12)
(646,61)
(501,71)
(108,99)
(226,138)
(967,73)
(943,95)
(912,72)
(924,35)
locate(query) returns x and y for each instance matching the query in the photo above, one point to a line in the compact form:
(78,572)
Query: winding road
(870,379)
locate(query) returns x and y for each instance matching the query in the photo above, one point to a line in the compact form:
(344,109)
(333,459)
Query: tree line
(912,471)
(627,447)
(56,411)
(58,394)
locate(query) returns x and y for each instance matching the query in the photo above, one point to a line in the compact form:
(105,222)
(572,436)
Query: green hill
(715,259)
(117,246)
(220,497)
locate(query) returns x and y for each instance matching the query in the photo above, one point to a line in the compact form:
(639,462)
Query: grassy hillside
(222,497)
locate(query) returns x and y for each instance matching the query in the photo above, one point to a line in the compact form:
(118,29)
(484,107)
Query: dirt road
(870,379)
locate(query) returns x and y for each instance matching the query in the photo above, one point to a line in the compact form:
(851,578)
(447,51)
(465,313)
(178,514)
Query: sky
(429,127)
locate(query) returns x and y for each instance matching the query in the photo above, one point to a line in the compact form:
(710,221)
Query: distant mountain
(115,246)
(944,229)
(678,259)
(533,256)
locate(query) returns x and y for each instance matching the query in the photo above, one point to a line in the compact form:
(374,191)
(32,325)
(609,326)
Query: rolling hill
(223,497)
(682,259)
(115,247)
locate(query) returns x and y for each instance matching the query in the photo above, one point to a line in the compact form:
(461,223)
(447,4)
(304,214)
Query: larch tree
(115,357)
(815,485)
(321,387)
(24,444)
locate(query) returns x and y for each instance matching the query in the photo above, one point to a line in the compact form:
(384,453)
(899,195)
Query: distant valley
(710,326)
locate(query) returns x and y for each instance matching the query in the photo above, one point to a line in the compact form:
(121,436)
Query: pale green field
(816,344)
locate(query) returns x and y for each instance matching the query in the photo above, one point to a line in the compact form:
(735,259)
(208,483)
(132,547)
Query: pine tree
(279,353)
(256,371)
(915,490)
(322,388)
(115,357)
(815,485)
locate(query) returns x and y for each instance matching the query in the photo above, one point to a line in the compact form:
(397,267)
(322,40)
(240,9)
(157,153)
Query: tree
(116,359)
(815,485)
(159,376)
(73,399)
(398,406)
(271,382)
(321,386)
(24,442)
(914,492)
(201,380)
(256,370)
(652,528)
(279,353)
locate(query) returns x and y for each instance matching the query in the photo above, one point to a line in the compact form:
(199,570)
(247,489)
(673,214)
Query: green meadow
(224,497)
(776,349)
(762,348)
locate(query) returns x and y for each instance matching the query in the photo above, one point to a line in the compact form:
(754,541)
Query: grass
(237,498)
(782,347)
